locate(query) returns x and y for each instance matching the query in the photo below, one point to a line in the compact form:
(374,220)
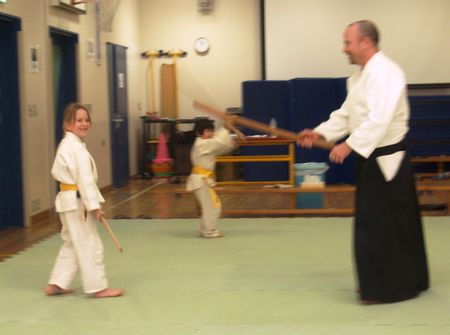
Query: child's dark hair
(202,124)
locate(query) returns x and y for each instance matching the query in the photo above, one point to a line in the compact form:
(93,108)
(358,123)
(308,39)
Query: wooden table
(263,141)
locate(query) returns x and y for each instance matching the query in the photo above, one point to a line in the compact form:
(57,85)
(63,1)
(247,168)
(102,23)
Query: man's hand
(339,153)
(307,137)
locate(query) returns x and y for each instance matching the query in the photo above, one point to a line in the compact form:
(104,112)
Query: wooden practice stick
(256,125)
(111,233)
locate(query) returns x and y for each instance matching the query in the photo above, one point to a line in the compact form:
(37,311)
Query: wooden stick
(111,233)
(256,125)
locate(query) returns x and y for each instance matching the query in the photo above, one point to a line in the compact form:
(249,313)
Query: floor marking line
(134,196)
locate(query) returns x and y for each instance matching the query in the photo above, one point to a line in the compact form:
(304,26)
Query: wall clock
(201,45)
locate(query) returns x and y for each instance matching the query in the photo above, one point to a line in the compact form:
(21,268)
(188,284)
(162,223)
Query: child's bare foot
(52,289)
(217,234)
(109,293)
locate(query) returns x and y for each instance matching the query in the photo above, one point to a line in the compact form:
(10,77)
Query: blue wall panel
(306,102)
(429,133)
(262,101)
(313,100)
(296,104)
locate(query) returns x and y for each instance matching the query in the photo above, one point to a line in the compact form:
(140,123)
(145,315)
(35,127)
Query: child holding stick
(75,170)
(207,146)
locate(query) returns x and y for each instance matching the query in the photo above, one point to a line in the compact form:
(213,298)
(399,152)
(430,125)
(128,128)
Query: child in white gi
(76,173)
(207,146)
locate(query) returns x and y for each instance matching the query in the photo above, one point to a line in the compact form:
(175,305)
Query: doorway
(64,74)
(118,101)
(11,195)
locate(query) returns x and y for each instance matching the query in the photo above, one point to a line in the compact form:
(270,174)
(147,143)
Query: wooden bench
(438,160)
(307,211)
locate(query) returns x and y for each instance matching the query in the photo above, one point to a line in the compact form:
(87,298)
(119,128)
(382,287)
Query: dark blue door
(118,97)
(11,195)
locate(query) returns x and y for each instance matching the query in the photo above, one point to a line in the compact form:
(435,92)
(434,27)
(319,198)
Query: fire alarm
(205,6)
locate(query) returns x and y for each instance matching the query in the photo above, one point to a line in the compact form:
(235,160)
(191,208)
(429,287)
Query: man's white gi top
(75,166)
(375,112)
(203,155)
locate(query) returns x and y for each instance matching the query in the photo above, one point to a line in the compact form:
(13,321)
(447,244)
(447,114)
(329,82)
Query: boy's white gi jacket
(375,112)
(203,155)
(74,165)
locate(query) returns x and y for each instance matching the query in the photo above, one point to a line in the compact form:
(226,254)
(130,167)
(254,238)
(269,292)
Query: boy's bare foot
(52,289)
(109,293)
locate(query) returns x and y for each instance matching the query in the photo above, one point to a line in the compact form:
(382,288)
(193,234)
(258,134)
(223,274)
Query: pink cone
(162,153)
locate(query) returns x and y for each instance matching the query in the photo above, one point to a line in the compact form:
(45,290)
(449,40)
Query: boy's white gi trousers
(211,210)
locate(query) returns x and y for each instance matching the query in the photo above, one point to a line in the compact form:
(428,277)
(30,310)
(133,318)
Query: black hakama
(389,247)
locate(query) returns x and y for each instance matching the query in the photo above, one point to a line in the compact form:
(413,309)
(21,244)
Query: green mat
(267,276)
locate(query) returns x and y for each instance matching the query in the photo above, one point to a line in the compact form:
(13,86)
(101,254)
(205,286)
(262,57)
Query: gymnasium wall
(304,37)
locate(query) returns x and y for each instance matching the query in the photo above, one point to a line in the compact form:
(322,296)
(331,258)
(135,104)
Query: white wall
(304,37)
(233,31)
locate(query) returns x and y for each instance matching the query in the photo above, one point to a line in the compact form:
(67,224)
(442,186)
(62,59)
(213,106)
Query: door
(64,74)
(118,98)
(11,200)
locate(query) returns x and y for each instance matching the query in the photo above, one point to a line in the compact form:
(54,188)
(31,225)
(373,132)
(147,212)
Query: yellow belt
(205,172)
(212,193)
(215,198)
(67,187)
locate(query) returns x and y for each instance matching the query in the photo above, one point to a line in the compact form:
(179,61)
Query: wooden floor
(147,199)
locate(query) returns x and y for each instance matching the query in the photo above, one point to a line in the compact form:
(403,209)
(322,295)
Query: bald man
(389,250)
